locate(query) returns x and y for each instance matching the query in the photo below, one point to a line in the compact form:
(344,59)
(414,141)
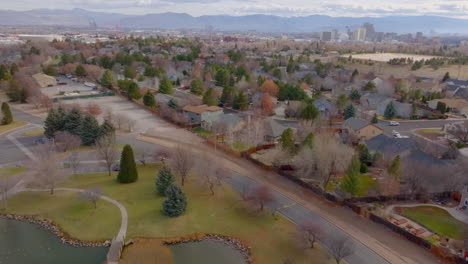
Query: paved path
(12,138)
(119,240)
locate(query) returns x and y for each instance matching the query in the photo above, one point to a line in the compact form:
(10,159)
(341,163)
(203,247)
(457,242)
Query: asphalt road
(296,213)
(405,127)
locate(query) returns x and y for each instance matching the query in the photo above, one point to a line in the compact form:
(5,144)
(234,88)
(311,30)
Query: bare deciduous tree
(66,141)
(74,160)
(209,174)
(259,196)
(106,149)
(162,155)
(91,195)
(7,183)
(45,168)
(310,232)
(459,131)
(182,162)
(340,247)
(327,158)
(143,156)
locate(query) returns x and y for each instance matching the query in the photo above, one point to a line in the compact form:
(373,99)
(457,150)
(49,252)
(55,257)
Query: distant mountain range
(259,23)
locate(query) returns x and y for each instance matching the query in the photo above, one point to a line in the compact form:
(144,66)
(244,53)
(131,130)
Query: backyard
(272,240)
(437,220)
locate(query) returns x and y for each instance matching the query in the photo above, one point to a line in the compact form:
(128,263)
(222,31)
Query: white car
(394,123)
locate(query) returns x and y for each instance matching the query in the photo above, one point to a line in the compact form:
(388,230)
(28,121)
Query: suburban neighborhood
(198,149)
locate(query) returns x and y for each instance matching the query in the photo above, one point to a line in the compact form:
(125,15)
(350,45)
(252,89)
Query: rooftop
(199,109)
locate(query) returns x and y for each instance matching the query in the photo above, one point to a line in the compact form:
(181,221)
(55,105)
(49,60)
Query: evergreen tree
(72,121)
(13,69)
(148,99)
(15,92)
(287,141)
(176,202)
(196,86)
(130,72)
(210,98)
(165,86)
(3,72)
(394,168)
(164,180)
(7,116)
(89,130)
(364,155)
(128,171)
(446,77)
(241,101)
(390,111)
(349,112)
(228,95)
(80,71)
(309,113)
(354,95)
(133,91)
(222,77)
(375,120)
(350,182)
(107,80)
(354,74)
(106,129)
(54,122)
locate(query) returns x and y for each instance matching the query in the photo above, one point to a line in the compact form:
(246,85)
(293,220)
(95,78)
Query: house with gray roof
(275,127)
(361,129)
(391,146)
(325,107)
(403,110)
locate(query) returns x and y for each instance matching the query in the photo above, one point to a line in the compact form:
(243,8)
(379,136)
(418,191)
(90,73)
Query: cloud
(355,8)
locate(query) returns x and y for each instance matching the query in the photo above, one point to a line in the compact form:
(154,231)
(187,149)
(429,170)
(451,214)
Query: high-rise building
(370,31)
(359,34)
(326,36)
(419,35)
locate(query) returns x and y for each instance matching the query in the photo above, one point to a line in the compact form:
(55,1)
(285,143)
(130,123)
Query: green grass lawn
(272,241)
(11,171)
(33,132)
(15,124)
(365,184)
(240,146)
(437,220)
(202,132)
(431,131)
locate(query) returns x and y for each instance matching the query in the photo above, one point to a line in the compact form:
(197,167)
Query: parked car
(115,167)
(394,123)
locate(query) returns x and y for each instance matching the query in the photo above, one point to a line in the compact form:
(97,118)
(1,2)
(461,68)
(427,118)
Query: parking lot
(67,87)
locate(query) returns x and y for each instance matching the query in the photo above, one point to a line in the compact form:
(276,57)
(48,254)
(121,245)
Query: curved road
(373,243)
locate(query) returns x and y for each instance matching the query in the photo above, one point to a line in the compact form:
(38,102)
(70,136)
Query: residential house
(325,107)
(275,127)
(464,197)
(370,101)
(233,122)
(391,146)
(458,105)
(456,88)
(202,113)
(403,110)
(361,129)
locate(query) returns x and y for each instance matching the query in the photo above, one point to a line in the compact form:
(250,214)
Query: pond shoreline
(55,229)
(230,241)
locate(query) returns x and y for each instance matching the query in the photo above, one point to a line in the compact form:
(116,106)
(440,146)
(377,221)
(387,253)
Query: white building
(359,34)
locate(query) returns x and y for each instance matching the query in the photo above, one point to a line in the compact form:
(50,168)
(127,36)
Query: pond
(22,242)
(206,252)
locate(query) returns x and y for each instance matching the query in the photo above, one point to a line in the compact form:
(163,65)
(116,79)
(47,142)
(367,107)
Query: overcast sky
(355,8)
